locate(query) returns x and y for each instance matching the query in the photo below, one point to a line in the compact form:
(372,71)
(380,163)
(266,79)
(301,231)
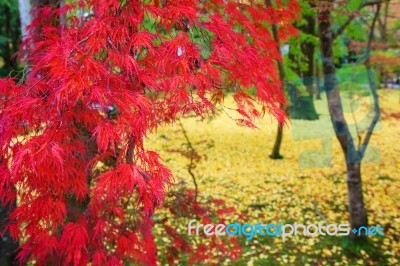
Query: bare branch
(191,164)
(353,16)
(372,85)
(130,150)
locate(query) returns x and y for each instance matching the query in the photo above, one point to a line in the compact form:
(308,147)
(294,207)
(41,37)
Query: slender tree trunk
(385,20)
(279,134)
(302,107)
(308,50)
(317,81)
(24,7)
(383,34)
(73,206)
(358,213)
(278,141)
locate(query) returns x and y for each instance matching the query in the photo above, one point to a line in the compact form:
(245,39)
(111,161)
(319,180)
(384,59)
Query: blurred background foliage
(10,36)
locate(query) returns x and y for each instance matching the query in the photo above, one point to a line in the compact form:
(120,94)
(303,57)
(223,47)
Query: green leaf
(4,40)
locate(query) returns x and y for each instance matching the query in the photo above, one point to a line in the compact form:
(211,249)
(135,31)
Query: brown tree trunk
(277,146)
(308,51)
(317,81)
(279,134)
(358,213)
(74,207)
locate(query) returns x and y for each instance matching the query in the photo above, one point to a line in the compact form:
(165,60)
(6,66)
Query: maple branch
(352,16)
(191,164)
(26,91)
(130,150)
(119,10)
(112,45)
(372,85)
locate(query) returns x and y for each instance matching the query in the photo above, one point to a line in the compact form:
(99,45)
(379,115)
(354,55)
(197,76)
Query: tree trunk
(279,134)
(317,81)
(24,7)
(383,27)
(358,213)
(302,107)
(278,141)
(308,51)
(308,74)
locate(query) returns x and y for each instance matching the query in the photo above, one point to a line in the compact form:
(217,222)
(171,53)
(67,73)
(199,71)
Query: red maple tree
(71,132)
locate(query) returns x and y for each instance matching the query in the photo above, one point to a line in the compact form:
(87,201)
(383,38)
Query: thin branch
(28,90)
(372,85)
(191,164)
(130,150)
(355,123)
(353,16)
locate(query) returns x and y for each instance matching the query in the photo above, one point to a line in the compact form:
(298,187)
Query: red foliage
(71,133)
(182,207)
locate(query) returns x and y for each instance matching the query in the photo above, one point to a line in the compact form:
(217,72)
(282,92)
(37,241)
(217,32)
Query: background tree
(386,49)
(353,155)
(285,24)
(9,36)
(301,60)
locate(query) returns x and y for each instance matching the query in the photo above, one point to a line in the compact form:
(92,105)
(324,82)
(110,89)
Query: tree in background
(386,55)
(284,22)
(301,60)
(352,153)
(296,70)
(72,132)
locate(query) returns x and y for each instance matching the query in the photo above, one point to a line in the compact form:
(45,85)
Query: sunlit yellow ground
(307,186)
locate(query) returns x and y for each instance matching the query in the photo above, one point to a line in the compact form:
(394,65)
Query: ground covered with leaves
(232,163)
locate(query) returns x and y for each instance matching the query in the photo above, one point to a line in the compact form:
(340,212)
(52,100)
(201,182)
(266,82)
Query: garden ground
(307,186)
